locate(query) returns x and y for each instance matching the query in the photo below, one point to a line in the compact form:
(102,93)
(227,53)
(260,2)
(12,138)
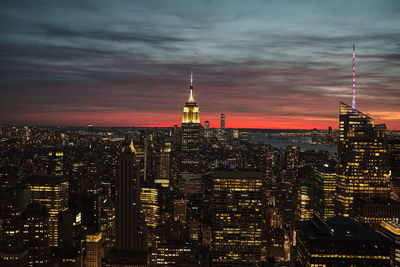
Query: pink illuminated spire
(354,78)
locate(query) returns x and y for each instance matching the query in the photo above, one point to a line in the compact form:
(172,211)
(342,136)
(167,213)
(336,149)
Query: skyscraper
(12,250)
(222,121)
(165,162)
(324,181)
(237,218)
(52,192)
(304,203)
(36,233)
(391,231)
(190,174)
(362,159)
(362,154)
(130,232)
(206,125)
(93,250)
(149,204)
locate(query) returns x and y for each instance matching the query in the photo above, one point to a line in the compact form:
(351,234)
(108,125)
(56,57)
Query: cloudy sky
(265,64)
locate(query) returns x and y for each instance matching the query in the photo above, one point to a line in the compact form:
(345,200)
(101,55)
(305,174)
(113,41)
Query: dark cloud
(267,61)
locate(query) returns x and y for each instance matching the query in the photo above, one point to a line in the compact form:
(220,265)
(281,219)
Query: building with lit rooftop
(324,183)
(52,192)
(190,178)
(93,250)
(363,165)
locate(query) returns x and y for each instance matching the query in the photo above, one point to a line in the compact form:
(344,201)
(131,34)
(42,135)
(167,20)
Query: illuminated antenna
(354,78)
(191,99)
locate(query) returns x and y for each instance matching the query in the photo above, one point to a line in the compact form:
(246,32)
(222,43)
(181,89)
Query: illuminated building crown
(191,113)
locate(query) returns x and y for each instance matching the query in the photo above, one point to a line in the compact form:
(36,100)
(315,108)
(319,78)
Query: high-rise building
(165,162)
(148,157)
(131,234)
(291,162)
(391,231)
(304,202)
(172,255)
(222,121)
(394,159)
(150,207)
(54,161)
(130,230)
(237,218)
(18,258)
(207,131)
(52,192)
(340,241)
(149,203)
(69,241)
(372,211)
(36,234)
(362,153)
(394,163)
(180,210)
(12,250)
(190,171)
(16,198)
(324,191)
(91,197)
(93,250)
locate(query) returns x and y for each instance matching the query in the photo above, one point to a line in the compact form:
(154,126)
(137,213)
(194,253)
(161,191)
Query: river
(303,142)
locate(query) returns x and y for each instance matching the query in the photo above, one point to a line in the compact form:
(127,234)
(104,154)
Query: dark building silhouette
(36,234)
(130,228)
(13,252)
(131,236)
(222,121)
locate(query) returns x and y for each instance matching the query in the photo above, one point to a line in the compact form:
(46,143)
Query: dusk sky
(265,64)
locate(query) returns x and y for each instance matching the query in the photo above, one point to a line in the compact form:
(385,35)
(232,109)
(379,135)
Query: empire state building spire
(191,99)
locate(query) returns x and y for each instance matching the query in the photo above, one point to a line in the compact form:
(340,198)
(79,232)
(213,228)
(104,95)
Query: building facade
(52,192)
(190,178)
(363,165)
(324,182)
(236,218)
(340,241)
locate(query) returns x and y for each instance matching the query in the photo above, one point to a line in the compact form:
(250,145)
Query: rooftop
(46,179)
(337,228)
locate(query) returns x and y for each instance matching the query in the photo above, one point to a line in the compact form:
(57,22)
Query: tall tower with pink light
(354,78)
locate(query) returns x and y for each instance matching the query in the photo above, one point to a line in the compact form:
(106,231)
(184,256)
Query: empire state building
(191,113)
(190,175)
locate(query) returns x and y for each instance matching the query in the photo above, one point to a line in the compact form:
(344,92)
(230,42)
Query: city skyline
(264,65)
